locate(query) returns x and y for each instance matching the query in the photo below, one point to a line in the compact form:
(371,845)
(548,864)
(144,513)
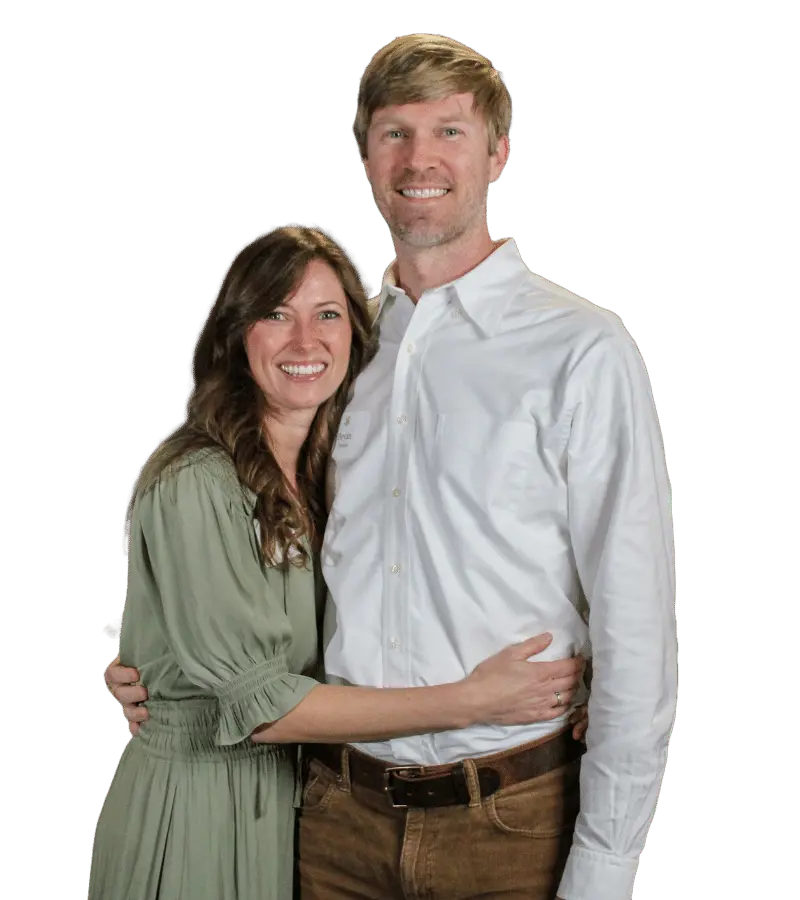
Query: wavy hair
(226,409)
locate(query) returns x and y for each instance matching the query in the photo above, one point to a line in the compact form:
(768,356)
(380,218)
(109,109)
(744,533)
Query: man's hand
(124,685)
(580,720)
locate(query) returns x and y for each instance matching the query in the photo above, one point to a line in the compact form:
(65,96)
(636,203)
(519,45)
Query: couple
(497,474)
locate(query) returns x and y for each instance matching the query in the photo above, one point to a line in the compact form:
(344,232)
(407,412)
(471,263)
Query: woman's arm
(505,689)
(342,714)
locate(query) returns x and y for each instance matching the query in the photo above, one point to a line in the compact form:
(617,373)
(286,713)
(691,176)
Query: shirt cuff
(591,875)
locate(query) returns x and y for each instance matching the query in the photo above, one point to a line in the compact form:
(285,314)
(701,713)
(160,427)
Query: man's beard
(421,234)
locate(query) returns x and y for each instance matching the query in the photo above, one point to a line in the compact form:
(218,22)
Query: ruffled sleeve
(222,611)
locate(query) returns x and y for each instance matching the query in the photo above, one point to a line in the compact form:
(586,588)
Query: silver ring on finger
(558,698)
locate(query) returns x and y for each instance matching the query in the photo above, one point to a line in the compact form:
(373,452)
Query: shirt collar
(483,294)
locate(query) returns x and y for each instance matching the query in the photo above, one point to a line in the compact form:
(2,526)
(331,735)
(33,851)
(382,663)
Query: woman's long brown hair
(227,409)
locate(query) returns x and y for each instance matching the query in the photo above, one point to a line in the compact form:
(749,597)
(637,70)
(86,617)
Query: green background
(650,172)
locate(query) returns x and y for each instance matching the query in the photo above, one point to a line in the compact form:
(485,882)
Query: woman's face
(299,354)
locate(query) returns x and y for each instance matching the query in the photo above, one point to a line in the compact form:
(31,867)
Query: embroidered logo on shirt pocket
(351,434)
(543,807)
(351,439)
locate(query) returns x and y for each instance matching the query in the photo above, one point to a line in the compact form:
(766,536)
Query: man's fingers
(114,662)
(580,714)
(130,693)
(136,713)
(531,646)
(580,721)
(121,675)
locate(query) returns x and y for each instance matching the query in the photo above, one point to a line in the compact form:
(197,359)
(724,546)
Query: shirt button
(395,644)
(401,420)
(410,348)
(396,492)
(395,569)
(347,420)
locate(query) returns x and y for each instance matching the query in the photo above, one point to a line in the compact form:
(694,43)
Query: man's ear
(499,158)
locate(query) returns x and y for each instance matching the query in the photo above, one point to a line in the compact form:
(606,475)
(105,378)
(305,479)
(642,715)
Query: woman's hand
(507,689)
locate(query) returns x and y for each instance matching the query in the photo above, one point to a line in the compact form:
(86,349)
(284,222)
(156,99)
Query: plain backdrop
(653,170)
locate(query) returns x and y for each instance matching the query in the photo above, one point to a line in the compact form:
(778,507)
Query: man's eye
(451,132)
(394,133)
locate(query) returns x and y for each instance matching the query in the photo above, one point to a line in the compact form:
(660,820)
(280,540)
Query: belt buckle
(388,786)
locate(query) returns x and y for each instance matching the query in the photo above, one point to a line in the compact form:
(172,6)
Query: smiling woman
(291,300)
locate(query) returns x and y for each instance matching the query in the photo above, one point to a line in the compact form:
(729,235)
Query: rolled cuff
(592,875)
(261,695)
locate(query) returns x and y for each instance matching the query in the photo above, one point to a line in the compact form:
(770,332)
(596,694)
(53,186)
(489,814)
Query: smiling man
(502,475)
(499,473)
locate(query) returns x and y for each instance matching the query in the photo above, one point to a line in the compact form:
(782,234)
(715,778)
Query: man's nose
(421,153)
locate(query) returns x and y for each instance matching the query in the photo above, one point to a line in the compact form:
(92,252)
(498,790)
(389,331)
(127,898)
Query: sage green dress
(197,810)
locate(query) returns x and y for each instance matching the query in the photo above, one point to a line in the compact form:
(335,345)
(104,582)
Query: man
(498,473)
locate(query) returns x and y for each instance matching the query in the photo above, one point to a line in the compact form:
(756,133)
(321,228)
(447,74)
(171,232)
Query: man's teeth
(424,192)
(313,369)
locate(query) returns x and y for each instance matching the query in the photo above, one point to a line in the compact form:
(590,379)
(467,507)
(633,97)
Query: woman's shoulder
(209,470)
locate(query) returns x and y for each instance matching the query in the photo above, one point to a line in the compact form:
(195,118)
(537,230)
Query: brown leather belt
(426,786)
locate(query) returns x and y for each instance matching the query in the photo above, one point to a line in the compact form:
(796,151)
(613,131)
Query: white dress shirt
(499,473)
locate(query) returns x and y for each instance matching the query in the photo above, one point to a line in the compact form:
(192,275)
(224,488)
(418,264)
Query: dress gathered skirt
(186,820)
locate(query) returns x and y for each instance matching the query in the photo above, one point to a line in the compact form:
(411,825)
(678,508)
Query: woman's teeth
(313,369)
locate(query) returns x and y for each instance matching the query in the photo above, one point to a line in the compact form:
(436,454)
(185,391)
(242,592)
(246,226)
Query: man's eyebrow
(398,120)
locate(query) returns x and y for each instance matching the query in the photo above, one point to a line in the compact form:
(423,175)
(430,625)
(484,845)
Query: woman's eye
(330,314)
(274,316)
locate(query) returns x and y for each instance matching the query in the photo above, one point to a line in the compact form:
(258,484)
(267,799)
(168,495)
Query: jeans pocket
(543,807)
(319,788)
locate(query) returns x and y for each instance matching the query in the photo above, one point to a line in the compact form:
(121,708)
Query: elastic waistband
(188,728)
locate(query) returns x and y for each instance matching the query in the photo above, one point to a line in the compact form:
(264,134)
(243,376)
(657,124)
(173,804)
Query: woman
(221,616)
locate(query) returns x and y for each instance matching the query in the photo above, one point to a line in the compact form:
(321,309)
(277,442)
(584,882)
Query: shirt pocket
(349,446)
(487,461)
(351,435)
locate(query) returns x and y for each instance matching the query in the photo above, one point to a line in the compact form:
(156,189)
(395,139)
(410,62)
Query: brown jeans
(512,845)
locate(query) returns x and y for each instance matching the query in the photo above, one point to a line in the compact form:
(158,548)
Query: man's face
(430,169)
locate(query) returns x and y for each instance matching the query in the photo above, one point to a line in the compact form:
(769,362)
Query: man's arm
(621,532)
(122,681)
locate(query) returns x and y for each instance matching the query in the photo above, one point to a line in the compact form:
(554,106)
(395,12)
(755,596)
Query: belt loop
(344,777)
(471,774)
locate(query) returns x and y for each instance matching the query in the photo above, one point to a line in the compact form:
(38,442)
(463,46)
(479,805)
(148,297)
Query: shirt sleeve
(621,531)
(221,613)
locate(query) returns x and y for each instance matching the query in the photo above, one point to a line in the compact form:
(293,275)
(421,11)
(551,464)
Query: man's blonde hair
(419,68)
